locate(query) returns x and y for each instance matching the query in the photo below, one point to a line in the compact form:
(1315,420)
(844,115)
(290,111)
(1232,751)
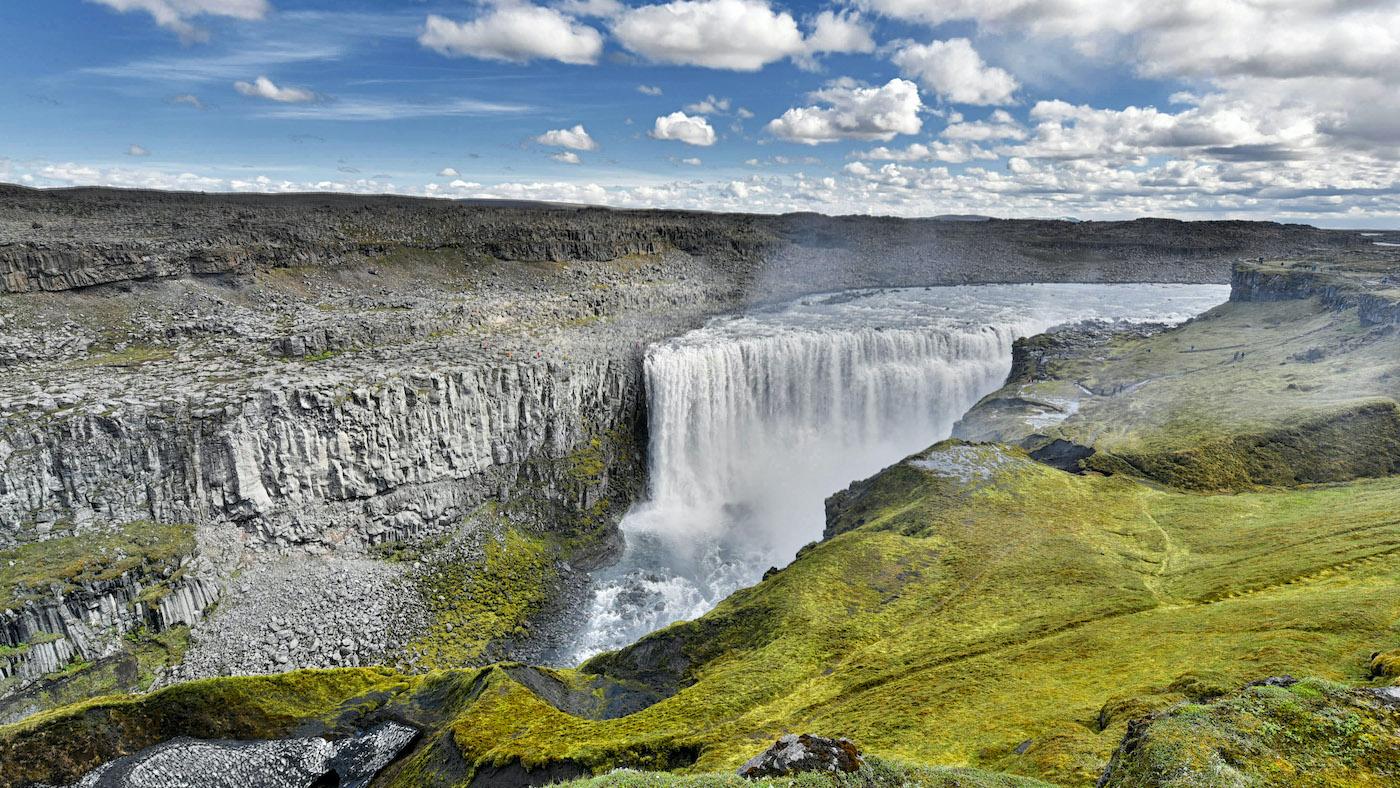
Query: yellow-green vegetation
(36,570)
(132,669)
(1386,663)
(876,773)
(960,621)
(1313,734)
(127,357)
(587,463)
(1031,610)
(56,746)
(472,605)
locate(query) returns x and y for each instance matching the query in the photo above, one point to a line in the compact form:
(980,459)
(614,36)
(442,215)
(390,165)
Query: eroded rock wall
(42,637)
(319,463)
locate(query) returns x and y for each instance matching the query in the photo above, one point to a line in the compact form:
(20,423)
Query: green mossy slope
(1312,734)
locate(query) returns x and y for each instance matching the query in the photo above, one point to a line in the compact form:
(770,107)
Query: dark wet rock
(311,762)
(515,775)
(1062,454)
(794,754)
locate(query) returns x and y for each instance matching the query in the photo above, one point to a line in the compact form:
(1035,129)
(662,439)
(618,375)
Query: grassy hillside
(971,607)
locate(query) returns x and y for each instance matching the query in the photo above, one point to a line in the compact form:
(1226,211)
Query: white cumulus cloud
(566,157)
(955,71)
(844,32)
(853,113)
(576,138)
(137,150)
(516,34)
(264,88)
(738,35)
(692,130)
(448,172)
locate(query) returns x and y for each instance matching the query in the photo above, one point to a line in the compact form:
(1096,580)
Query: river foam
(756,418)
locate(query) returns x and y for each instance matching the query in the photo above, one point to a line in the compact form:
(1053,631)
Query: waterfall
(755,419)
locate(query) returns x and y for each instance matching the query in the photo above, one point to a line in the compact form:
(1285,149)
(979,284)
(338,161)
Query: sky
(1094,109)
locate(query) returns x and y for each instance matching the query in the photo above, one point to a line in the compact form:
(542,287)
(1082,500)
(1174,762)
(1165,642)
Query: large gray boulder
(796,753)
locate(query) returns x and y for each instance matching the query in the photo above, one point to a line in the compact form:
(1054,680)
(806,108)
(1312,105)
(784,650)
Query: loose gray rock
(284,763)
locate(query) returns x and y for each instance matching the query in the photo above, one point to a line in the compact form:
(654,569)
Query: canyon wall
(323,374)
(322,463)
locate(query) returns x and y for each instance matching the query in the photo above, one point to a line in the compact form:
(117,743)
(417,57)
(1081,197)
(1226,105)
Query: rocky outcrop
(44,636)
(75,238)
(1020,409)
(312,762)
(794,754)
(1268,734)
(1373,291)
(324,464)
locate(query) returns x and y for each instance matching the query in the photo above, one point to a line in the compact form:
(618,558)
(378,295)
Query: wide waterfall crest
(755,419)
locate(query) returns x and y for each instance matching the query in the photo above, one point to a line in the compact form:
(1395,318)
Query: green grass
(131,356)
(132,669)
(57,746)
(949,628)
(34,570)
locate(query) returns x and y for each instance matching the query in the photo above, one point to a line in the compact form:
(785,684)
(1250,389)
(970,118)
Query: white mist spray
(755,419)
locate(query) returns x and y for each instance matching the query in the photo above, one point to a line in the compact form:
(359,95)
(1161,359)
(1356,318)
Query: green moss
(875,773)
(952,626)
(1016,626)
(57,746)
(128,357)
(1385,664)
(472,606)
(133,668)
(587,463)
(1314,733)
(36,569)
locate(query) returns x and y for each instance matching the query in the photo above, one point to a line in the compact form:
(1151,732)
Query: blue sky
(1082,108)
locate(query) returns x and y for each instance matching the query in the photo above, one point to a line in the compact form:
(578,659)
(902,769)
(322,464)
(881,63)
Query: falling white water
(756,419)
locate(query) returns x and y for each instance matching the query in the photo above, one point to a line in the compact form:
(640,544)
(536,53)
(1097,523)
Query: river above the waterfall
(756,418)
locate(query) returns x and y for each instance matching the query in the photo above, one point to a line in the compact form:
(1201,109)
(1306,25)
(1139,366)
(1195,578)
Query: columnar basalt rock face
(1374,290)
(321,464)
(44,636)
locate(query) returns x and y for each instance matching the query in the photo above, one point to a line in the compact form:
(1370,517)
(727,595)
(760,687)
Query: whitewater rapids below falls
(756,418)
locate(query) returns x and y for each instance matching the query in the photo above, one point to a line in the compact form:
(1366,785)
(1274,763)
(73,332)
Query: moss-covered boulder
(1279,733)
